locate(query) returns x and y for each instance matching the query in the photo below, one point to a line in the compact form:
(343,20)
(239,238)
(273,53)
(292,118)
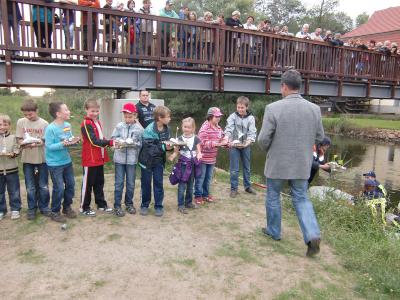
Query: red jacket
(93,152)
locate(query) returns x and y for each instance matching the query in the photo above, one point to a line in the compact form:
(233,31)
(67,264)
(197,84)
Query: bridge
(121,50)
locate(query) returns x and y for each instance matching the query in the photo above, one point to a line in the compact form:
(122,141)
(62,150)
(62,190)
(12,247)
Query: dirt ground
(214,252)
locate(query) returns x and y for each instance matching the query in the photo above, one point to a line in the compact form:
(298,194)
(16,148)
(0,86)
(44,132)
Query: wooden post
(7,40)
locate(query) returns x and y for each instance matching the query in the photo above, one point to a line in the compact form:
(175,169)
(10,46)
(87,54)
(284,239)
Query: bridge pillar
(7,40)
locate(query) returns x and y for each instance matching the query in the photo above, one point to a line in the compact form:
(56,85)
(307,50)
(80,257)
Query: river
(361,156)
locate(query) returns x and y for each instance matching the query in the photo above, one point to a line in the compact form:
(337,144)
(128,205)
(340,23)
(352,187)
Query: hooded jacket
(93,144)
(128,156)
(241,128)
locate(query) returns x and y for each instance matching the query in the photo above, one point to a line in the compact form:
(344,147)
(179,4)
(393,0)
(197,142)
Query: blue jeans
(37,186)
(235,156)
(156,173)
(185,186)
(122,171)
(202,186)
(303,206)
(69,32)
(63,186)
(11,181)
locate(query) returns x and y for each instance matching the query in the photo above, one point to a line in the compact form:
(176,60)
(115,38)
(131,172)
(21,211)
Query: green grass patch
(99,283)
(114,237)
(339,125)
(31,256)
(239,251)
(364,247)
(306,291)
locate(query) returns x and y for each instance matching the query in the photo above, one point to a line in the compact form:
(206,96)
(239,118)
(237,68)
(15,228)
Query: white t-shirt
(190,142)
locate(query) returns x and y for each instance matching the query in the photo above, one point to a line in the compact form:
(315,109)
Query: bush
(337,125)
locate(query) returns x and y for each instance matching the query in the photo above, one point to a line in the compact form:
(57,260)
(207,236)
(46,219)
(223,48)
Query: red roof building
(382,25)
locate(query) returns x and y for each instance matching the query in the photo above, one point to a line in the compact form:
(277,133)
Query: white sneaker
(1,215)
(107,210)
(15,215)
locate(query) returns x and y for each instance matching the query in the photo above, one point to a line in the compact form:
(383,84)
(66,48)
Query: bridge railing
(67,33)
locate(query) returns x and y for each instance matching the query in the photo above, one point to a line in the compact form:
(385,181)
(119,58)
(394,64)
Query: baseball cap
(214,111)
(370,173)
(169,2)
(370,182)
(129,108)
(326,141)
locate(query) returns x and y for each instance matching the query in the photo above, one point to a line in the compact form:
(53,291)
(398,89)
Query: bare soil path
(214,252)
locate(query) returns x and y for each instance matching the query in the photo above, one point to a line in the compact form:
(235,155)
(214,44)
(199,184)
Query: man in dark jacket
(319,158)
(145,109)
(232,39)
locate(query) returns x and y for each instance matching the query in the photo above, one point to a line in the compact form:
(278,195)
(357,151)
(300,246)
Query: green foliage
(283,12)
(5,92)
(337,125)
(362,19)
(326,16)
(364,246)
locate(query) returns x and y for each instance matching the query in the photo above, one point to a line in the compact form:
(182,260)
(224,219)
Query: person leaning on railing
(13,22)
(42,19)
(146,29)
(167,29)
(84,22)
(232,39)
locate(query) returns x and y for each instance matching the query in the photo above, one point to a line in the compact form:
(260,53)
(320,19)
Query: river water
(361,156)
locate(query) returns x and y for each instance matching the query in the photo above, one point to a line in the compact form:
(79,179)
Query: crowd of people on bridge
(182,41)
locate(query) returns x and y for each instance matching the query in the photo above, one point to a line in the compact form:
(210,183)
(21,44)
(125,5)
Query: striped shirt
(209,136)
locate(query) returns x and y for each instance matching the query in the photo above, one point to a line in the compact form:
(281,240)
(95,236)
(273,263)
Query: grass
(364,247)
(114,237)
(238,250)
(31,256)
(341,124)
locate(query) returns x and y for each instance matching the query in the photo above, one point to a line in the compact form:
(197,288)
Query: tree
(326,16)
(246,7)
(282,12)
(362,19)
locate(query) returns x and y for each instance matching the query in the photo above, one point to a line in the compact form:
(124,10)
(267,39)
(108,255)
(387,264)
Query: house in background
(381,26)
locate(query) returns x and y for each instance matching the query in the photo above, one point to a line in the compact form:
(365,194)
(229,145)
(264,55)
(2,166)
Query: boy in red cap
(94,156)
(128,135)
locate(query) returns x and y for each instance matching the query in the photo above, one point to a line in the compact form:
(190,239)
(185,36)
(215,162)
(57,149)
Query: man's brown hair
(161,112)
(29,105)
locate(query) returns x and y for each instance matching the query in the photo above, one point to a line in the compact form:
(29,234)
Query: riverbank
(371,129)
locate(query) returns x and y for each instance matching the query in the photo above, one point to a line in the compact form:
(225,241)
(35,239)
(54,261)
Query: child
(125,159)
(8,170)
(94,156)
(152,160)
(211,136)
(378,186)
(189,164)
(33,159)
(241,132)
(58,136)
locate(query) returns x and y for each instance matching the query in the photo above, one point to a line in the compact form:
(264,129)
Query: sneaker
(15,215)
(107,210)
(46,213)
(199,200)
(182,210)
(119,212)
(209,199)
(313,247)
(31,214)
(233,193)
(144,211)
(69,213)
(88,213)
(264,230)
(250,191)
(57,217)
(159,212)
(131,209)
(191,205)
(2,215)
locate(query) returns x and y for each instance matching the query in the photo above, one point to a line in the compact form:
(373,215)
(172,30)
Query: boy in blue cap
(370,175)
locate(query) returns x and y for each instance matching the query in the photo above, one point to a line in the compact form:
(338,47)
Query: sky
(352,7)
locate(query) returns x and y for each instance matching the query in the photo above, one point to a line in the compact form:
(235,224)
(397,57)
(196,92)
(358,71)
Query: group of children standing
(142,138)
